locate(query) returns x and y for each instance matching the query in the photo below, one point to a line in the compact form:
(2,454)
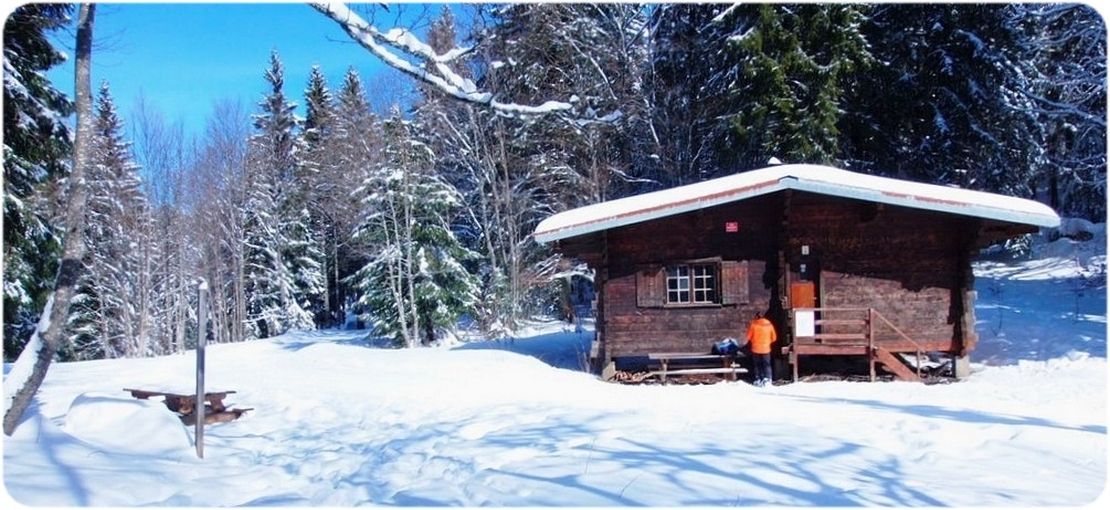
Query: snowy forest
(311,206)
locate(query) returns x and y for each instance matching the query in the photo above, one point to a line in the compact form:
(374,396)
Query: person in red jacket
(761,334)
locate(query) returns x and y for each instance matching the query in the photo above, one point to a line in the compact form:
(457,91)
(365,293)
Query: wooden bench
(695,363)
(185,405)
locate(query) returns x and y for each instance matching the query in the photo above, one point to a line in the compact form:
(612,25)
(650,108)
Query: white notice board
(803,323)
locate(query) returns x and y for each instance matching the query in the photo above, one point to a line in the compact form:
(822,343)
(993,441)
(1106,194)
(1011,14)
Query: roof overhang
(810,178)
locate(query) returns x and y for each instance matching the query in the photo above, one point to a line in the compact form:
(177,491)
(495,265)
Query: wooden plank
(947,345)
(861,349)
(838,336)
(145,394)
(687,356)
(830,350)
(840,322)
(699,371)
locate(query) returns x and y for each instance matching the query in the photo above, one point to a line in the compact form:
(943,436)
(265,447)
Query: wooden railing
(918,350)
(841,342)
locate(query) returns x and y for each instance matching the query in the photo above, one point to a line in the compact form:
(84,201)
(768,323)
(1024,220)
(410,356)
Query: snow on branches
(394,45)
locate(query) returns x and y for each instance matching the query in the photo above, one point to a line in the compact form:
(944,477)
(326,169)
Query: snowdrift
(338,422)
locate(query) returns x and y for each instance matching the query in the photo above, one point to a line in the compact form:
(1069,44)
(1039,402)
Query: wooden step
(895,365)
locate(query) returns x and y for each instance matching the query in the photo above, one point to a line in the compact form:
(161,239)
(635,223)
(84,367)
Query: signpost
(202,339)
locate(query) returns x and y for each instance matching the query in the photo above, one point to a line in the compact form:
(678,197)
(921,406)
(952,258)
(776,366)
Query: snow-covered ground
(339,423)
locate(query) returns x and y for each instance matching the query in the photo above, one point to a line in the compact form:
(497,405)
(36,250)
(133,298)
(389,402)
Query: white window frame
(687,282)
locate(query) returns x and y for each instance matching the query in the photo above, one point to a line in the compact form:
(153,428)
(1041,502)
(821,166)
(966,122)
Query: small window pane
(705,283)
(678,284)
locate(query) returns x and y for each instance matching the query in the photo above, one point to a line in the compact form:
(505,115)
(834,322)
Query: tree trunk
(240,319)
(180,302)
(145,278)
(51,328)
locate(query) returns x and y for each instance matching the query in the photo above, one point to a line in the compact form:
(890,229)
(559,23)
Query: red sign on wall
(732,226)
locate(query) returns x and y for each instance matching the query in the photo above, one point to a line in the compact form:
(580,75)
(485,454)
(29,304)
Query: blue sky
(184,57)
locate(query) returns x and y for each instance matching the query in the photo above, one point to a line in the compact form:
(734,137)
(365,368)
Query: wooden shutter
(651,287)
(734,282)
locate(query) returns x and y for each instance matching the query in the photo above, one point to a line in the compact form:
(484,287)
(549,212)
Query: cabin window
(692,284)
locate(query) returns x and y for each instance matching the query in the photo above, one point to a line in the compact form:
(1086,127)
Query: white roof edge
(614,221)
(811,178)
(1039,219)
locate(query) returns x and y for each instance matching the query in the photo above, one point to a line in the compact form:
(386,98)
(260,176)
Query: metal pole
(202,339)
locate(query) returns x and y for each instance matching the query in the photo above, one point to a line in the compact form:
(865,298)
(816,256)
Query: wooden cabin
(844,264)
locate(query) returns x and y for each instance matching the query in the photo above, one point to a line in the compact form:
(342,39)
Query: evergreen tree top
(277,113)
(352,95)
(319,103)
(275,75)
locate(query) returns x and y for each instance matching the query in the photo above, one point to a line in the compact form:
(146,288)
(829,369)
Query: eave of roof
(811,178)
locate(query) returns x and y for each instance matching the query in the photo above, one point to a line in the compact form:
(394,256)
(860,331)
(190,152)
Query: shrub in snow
(126,425)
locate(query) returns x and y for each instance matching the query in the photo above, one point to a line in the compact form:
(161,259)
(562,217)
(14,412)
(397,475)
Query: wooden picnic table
(696,363)
(215,411)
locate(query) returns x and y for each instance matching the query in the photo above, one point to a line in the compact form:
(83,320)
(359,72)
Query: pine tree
(357,145)
(105,319)
(944,106)
(319,108)
(322,161)
(415,285)
(36,147)
(795,61)
(282,269)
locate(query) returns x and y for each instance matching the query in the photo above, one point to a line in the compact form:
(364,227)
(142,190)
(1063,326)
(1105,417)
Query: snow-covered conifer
(106,319)
(794,63)
(282,261)
(36,145)
(944,104)
(415,285)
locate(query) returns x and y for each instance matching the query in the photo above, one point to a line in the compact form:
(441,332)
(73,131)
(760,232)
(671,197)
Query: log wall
(634,330)
(910,265)
(905,263)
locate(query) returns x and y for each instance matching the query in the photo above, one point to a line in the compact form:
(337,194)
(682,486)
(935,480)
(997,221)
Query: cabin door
(804,282)
(805,289)
(803,295)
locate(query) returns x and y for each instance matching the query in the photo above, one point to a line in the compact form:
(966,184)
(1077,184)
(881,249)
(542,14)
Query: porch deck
(852,333)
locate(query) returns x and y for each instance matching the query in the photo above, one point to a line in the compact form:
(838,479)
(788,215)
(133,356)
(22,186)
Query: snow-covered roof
(812,178)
